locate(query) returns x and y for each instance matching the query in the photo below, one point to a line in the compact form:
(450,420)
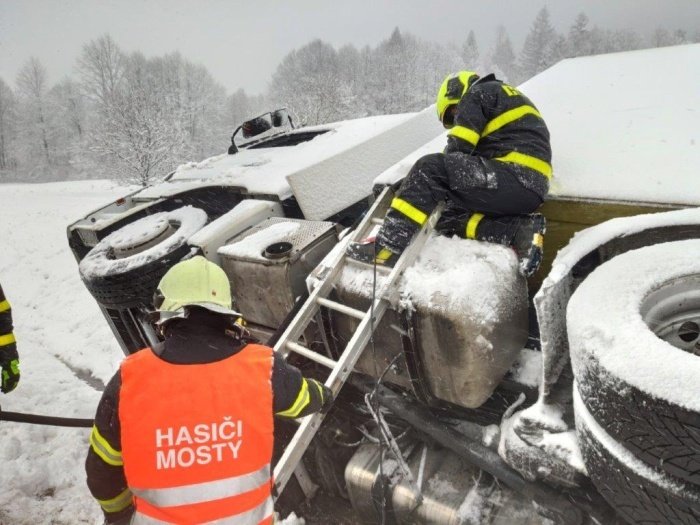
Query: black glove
(9,362)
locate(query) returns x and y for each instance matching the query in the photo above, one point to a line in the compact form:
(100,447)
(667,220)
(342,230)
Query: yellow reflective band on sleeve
(409,210)
(508,117)
(527,161)
(4,306)
(300,402)
(103,449)
(117,503)
(7,339)
(538,240)
(472,224)
(465,134)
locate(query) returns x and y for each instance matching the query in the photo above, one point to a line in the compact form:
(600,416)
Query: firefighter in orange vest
(184,431)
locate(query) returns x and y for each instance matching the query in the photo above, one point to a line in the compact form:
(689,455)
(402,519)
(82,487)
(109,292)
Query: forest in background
(134,118)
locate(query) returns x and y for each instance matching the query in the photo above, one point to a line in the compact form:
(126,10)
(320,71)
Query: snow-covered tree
(308,82)
(470,52)
(32,85)
(69,123)
(537,51)
(8,115)
(579,38)
(503,56)
(625,40)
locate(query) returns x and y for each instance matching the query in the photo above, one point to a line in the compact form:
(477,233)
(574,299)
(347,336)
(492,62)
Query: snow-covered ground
(66,352)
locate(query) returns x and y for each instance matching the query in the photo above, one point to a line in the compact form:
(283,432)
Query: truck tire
(123,269)
(638,492)
(633,335)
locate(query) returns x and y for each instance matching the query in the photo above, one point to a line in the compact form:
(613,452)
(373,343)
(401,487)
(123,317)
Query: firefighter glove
(10,373)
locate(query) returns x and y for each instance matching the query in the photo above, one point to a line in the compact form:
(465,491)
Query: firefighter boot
(524,233)
(372,252)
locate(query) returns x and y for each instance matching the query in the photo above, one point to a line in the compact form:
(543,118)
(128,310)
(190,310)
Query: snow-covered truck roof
(326,174)
(265,170)
(624,126)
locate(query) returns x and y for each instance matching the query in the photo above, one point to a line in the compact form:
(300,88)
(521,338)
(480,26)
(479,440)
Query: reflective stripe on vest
(197,438)
(262,514)
(209,491)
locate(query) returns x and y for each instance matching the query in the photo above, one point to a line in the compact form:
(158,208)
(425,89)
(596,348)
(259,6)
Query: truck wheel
(639,493)
(124,269)
(634,339)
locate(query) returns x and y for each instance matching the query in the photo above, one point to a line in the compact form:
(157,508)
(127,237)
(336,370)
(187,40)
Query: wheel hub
(152,233)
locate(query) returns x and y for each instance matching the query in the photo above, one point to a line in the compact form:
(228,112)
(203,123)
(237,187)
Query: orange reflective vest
(197,439)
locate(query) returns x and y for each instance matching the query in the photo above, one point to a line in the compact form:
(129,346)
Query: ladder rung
(310,354)
(377,220)
(352,312)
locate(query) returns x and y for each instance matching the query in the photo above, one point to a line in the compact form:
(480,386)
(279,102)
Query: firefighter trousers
(467,183)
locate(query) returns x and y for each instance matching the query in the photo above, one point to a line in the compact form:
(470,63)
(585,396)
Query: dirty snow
(604,320)
(97,263)
(253,246)
(527,369)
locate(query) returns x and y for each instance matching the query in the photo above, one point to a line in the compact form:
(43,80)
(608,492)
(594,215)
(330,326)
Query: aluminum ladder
(386,294)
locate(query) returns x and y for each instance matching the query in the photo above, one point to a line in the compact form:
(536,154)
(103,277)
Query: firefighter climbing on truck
(494,173)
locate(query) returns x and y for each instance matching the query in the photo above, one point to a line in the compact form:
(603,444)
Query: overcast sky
(241,42)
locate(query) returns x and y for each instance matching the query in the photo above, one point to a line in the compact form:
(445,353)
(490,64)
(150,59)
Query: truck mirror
(256,126)
(280,118)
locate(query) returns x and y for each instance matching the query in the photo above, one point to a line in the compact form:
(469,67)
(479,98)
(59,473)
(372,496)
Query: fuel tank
(457,328)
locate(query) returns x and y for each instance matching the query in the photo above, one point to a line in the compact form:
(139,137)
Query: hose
(36,419)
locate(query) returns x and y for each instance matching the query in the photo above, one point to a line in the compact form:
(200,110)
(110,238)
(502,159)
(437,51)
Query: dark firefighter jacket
(7,338)
(201,338)
(498,122)
(8,346)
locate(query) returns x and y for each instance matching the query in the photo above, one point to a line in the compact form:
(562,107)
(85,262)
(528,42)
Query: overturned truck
(482,397)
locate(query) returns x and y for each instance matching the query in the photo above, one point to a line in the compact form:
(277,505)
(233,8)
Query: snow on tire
(638,492)
(632,328)
(124,268)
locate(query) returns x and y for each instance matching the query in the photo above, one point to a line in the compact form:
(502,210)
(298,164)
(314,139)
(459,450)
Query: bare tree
(32,85)
(101,66)
(7,125)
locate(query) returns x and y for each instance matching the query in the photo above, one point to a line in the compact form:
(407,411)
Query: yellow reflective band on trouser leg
(409,210)
(4,306)
(300,402)
(527,161)
(538,240)
(102,448)
(7,339)
(117,503)
(472,224)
